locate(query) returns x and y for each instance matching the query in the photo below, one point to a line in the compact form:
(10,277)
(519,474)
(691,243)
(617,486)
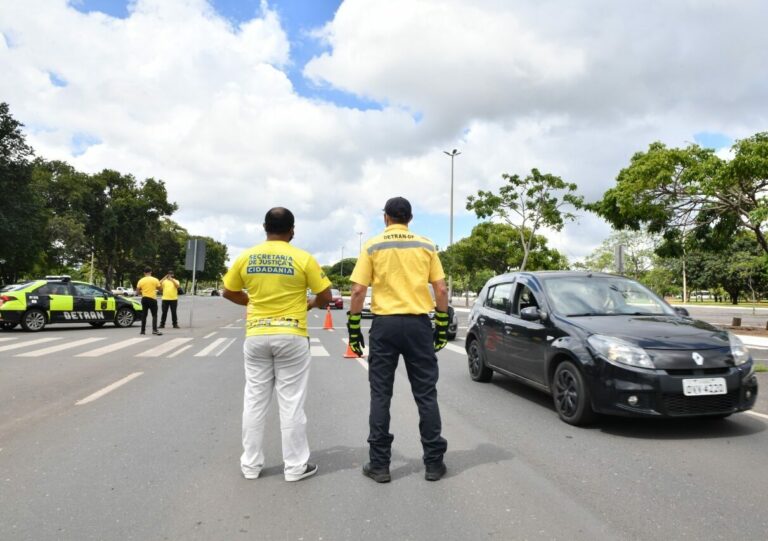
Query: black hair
(278,220)
(147,269)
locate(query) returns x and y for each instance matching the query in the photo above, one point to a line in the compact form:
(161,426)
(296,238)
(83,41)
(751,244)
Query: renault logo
(698,359)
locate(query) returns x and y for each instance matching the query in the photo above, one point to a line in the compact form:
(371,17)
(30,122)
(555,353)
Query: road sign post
(194,261)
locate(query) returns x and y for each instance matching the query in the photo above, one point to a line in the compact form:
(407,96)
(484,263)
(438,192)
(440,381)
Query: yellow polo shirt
(148,287)
(276,276)
(170,289)
(399,264)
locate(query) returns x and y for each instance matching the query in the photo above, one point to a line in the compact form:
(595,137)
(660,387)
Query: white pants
(279,362)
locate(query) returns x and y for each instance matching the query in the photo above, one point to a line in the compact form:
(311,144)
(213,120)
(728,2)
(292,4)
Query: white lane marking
(164,348)
(20,345)
(318,351)
(456,349)
(314,340)
(362,363)
(210,347)
(232,327)
(107,389)
(7,339)
(60,347)
(106,350)
(222,350)
(239,320)
(761,415)
(209,335)
(179,351)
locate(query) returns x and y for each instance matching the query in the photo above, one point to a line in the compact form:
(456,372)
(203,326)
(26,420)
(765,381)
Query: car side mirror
(531,313)
(680,311)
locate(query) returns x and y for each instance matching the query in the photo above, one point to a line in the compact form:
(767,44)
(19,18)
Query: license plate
(704,386)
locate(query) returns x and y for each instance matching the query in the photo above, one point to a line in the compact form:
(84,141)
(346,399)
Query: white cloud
(574,88)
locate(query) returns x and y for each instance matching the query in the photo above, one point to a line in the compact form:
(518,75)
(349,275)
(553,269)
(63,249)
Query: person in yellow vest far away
(147,288)
(170,287)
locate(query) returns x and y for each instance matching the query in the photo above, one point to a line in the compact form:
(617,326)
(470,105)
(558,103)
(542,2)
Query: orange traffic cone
(349,354)
(328,325)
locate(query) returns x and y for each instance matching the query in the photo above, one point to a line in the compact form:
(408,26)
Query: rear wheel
(124,317)
(33,320)
(477,369)
(571,395)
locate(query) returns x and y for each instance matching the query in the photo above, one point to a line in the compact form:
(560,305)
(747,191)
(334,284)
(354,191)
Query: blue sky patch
(57,80)
(82,142)
(113,8)
(712,140)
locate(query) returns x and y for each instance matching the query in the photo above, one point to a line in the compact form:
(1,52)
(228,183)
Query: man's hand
(441,330)
(356,341)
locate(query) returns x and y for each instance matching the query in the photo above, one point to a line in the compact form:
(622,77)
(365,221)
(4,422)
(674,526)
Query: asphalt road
(157,457)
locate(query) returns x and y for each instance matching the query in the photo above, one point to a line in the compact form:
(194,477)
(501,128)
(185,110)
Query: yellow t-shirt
(399,264)
(148,287)
(170,289)
(276,276)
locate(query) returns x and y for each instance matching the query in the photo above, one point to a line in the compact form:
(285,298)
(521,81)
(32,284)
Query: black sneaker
(176,327)
(158,333)
(435,472)
(161,327)
(380,475)
(309,471)
(142,332)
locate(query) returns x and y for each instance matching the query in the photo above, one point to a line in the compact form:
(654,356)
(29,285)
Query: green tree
(685,191)
(22,220)
(538,200)
(639,256)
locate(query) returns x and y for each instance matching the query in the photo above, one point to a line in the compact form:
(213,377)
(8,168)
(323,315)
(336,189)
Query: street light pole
(360,242)
(452,154)
(342,262)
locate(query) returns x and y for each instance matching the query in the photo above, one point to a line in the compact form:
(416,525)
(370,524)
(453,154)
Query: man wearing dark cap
(399,265)
(275,277)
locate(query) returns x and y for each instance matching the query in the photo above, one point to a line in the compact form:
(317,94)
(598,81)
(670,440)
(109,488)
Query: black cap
(398,207)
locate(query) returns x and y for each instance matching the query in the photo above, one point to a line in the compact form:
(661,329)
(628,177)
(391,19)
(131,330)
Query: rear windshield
(602,296)
(15,287)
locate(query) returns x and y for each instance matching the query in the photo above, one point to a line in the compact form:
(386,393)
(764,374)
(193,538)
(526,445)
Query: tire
(33,320)
(124,317)
(97,324)
(8,325)
(477,369)
(571,395)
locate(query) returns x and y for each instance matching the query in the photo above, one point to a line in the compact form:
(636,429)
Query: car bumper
(10,316)
(339,303)
(659,394)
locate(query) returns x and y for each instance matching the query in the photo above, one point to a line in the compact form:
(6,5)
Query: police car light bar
(62,277)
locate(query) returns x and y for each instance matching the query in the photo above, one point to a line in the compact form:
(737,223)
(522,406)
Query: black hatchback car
(601,343)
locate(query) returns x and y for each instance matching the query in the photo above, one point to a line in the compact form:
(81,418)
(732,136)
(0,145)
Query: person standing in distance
(276,277)
(399,264)
(147,288)
(170,299)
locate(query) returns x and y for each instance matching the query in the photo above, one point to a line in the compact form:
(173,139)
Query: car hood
(656,332)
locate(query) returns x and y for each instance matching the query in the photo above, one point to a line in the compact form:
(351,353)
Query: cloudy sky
(330,107)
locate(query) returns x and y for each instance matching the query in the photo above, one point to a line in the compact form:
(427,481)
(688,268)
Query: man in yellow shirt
(147,288)
(399,265)
(170,287)
(275,277)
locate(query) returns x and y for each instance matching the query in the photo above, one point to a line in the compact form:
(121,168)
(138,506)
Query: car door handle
(481,320)
(507,329)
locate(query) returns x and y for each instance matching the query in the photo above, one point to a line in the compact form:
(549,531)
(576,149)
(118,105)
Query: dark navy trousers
(411,337)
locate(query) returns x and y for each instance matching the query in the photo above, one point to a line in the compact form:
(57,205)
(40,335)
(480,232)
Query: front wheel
(124,317)
(477,369)
(571,395)
(33,320)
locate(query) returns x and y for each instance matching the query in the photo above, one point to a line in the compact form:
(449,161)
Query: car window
(524,298)
(335,293)
(602,296)
(499,298)
(53,289)
(15,287)
(87,290)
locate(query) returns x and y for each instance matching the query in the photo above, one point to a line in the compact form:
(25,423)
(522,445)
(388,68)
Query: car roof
(549,274)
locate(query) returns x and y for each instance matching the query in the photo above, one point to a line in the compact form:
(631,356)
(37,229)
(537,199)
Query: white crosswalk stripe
(20,345)
(456,349)
(7,339)
(111,348)
(164,348)
(210,347)
(222,350)
(318,351)
(59,347)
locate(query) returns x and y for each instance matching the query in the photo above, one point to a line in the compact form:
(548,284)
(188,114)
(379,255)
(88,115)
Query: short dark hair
(147,269)
(278,220)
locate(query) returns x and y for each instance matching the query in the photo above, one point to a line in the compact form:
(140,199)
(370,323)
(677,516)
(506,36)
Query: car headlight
(739,351)
(619,351)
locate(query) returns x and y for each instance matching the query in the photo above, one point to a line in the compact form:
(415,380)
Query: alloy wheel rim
(35,320)
(567,393)
(474,359)
(124,317)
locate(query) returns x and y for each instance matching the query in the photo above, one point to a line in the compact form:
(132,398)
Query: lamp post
(360,242)
(452,154)
(341,271)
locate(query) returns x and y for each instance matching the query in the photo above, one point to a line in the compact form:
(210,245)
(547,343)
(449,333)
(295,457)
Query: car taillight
(6,298)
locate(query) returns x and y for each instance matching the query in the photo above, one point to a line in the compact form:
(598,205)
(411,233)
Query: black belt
(400,315)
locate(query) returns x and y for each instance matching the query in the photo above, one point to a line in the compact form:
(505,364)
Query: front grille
(678,404)
(698,371)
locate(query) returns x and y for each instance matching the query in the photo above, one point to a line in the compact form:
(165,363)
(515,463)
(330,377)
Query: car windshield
(602,296)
